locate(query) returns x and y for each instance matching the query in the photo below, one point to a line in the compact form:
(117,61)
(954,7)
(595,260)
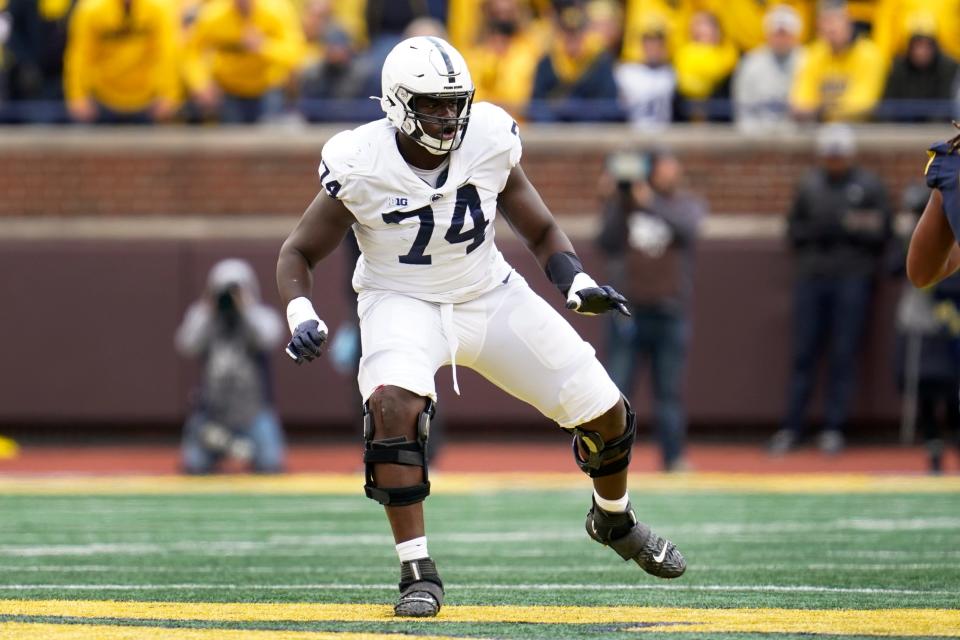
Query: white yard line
(303,542)
(704,528)
(488,569)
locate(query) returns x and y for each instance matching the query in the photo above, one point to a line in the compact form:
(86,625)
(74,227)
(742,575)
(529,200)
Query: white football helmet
(426,66)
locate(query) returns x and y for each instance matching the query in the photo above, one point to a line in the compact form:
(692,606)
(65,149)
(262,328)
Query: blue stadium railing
(364,110)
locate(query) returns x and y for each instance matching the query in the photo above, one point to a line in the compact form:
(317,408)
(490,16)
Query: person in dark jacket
(838,228)
(649,236)
(574,81)
(922,83)
(38,38)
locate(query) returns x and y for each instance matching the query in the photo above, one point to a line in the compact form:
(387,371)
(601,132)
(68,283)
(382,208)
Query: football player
(421,189)
(934,253)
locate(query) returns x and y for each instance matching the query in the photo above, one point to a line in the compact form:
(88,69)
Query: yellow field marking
(461,483)
(47,631)
(890,622)
(881,622)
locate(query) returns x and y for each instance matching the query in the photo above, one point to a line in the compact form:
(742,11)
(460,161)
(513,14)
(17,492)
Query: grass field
(309,558)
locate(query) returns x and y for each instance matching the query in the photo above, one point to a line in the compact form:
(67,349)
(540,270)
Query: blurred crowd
(760,63)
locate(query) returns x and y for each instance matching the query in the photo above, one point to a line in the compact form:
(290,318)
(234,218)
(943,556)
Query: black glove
(599,299)
(307,342)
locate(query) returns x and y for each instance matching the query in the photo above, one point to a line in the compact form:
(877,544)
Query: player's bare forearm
(294,275)
(933,254)
(321,228)
(530,218)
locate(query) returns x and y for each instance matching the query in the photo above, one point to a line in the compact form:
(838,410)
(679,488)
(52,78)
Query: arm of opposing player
(933,254)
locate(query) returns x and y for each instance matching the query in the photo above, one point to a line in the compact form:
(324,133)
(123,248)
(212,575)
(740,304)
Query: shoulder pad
(496,128)
(943,173)
(342,158)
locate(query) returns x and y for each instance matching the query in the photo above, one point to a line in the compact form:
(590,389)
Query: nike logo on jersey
(436,197)
(663,553)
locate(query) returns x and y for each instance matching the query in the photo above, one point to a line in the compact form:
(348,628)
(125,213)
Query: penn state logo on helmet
(427,66)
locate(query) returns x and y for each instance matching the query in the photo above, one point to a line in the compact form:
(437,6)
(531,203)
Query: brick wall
(70,172)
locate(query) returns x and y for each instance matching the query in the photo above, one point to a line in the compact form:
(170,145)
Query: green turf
(744,550)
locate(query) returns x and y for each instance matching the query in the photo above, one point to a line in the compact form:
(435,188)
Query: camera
(226,300)
(627,167)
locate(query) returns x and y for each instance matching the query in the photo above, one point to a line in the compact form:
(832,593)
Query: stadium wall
(214,172)
(106,236)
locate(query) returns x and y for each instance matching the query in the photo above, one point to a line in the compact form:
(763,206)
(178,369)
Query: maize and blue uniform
(943,174)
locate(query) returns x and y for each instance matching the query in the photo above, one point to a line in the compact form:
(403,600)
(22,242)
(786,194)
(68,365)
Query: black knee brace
(599,461)
(397,451)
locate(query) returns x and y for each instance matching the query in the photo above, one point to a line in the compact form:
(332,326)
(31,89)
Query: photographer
(232,333)
(649,234)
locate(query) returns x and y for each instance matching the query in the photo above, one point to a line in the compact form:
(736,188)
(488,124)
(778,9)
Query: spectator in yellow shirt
(674,14)
(240,54)
(704,65)
(740,20)
(121,61)
(861,12)
(330,73)
(841,77)
(465,18)
(574,81)
(503,61)
(606,20)
(743,20)
(895,17)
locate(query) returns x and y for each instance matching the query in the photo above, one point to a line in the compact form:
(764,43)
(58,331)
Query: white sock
(415,549)
(611,506)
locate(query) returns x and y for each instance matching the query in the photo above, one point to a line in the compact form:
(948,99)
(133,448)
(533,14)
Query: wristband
(299,311)
(581,281)
(562,267)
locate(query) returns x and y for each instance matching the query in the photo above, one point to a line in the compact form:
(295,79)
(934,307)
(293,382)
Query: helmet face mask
(426,69)
(438,133)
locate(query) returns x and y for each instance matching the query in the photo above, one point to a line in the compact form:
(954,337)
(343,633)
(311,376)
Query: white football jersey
(432,243)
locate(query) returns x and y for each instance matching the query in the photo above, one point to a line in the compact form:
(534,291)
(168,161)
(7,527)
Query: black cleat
(633,540)
(421,590)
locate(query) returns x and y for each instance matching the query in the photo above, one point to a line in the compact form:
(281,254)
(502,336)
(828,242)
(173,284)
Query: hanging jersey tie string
(446,323)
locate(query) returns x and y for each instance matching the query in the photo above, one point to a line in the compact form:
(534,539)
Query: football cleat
(633,540)
(421,590)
